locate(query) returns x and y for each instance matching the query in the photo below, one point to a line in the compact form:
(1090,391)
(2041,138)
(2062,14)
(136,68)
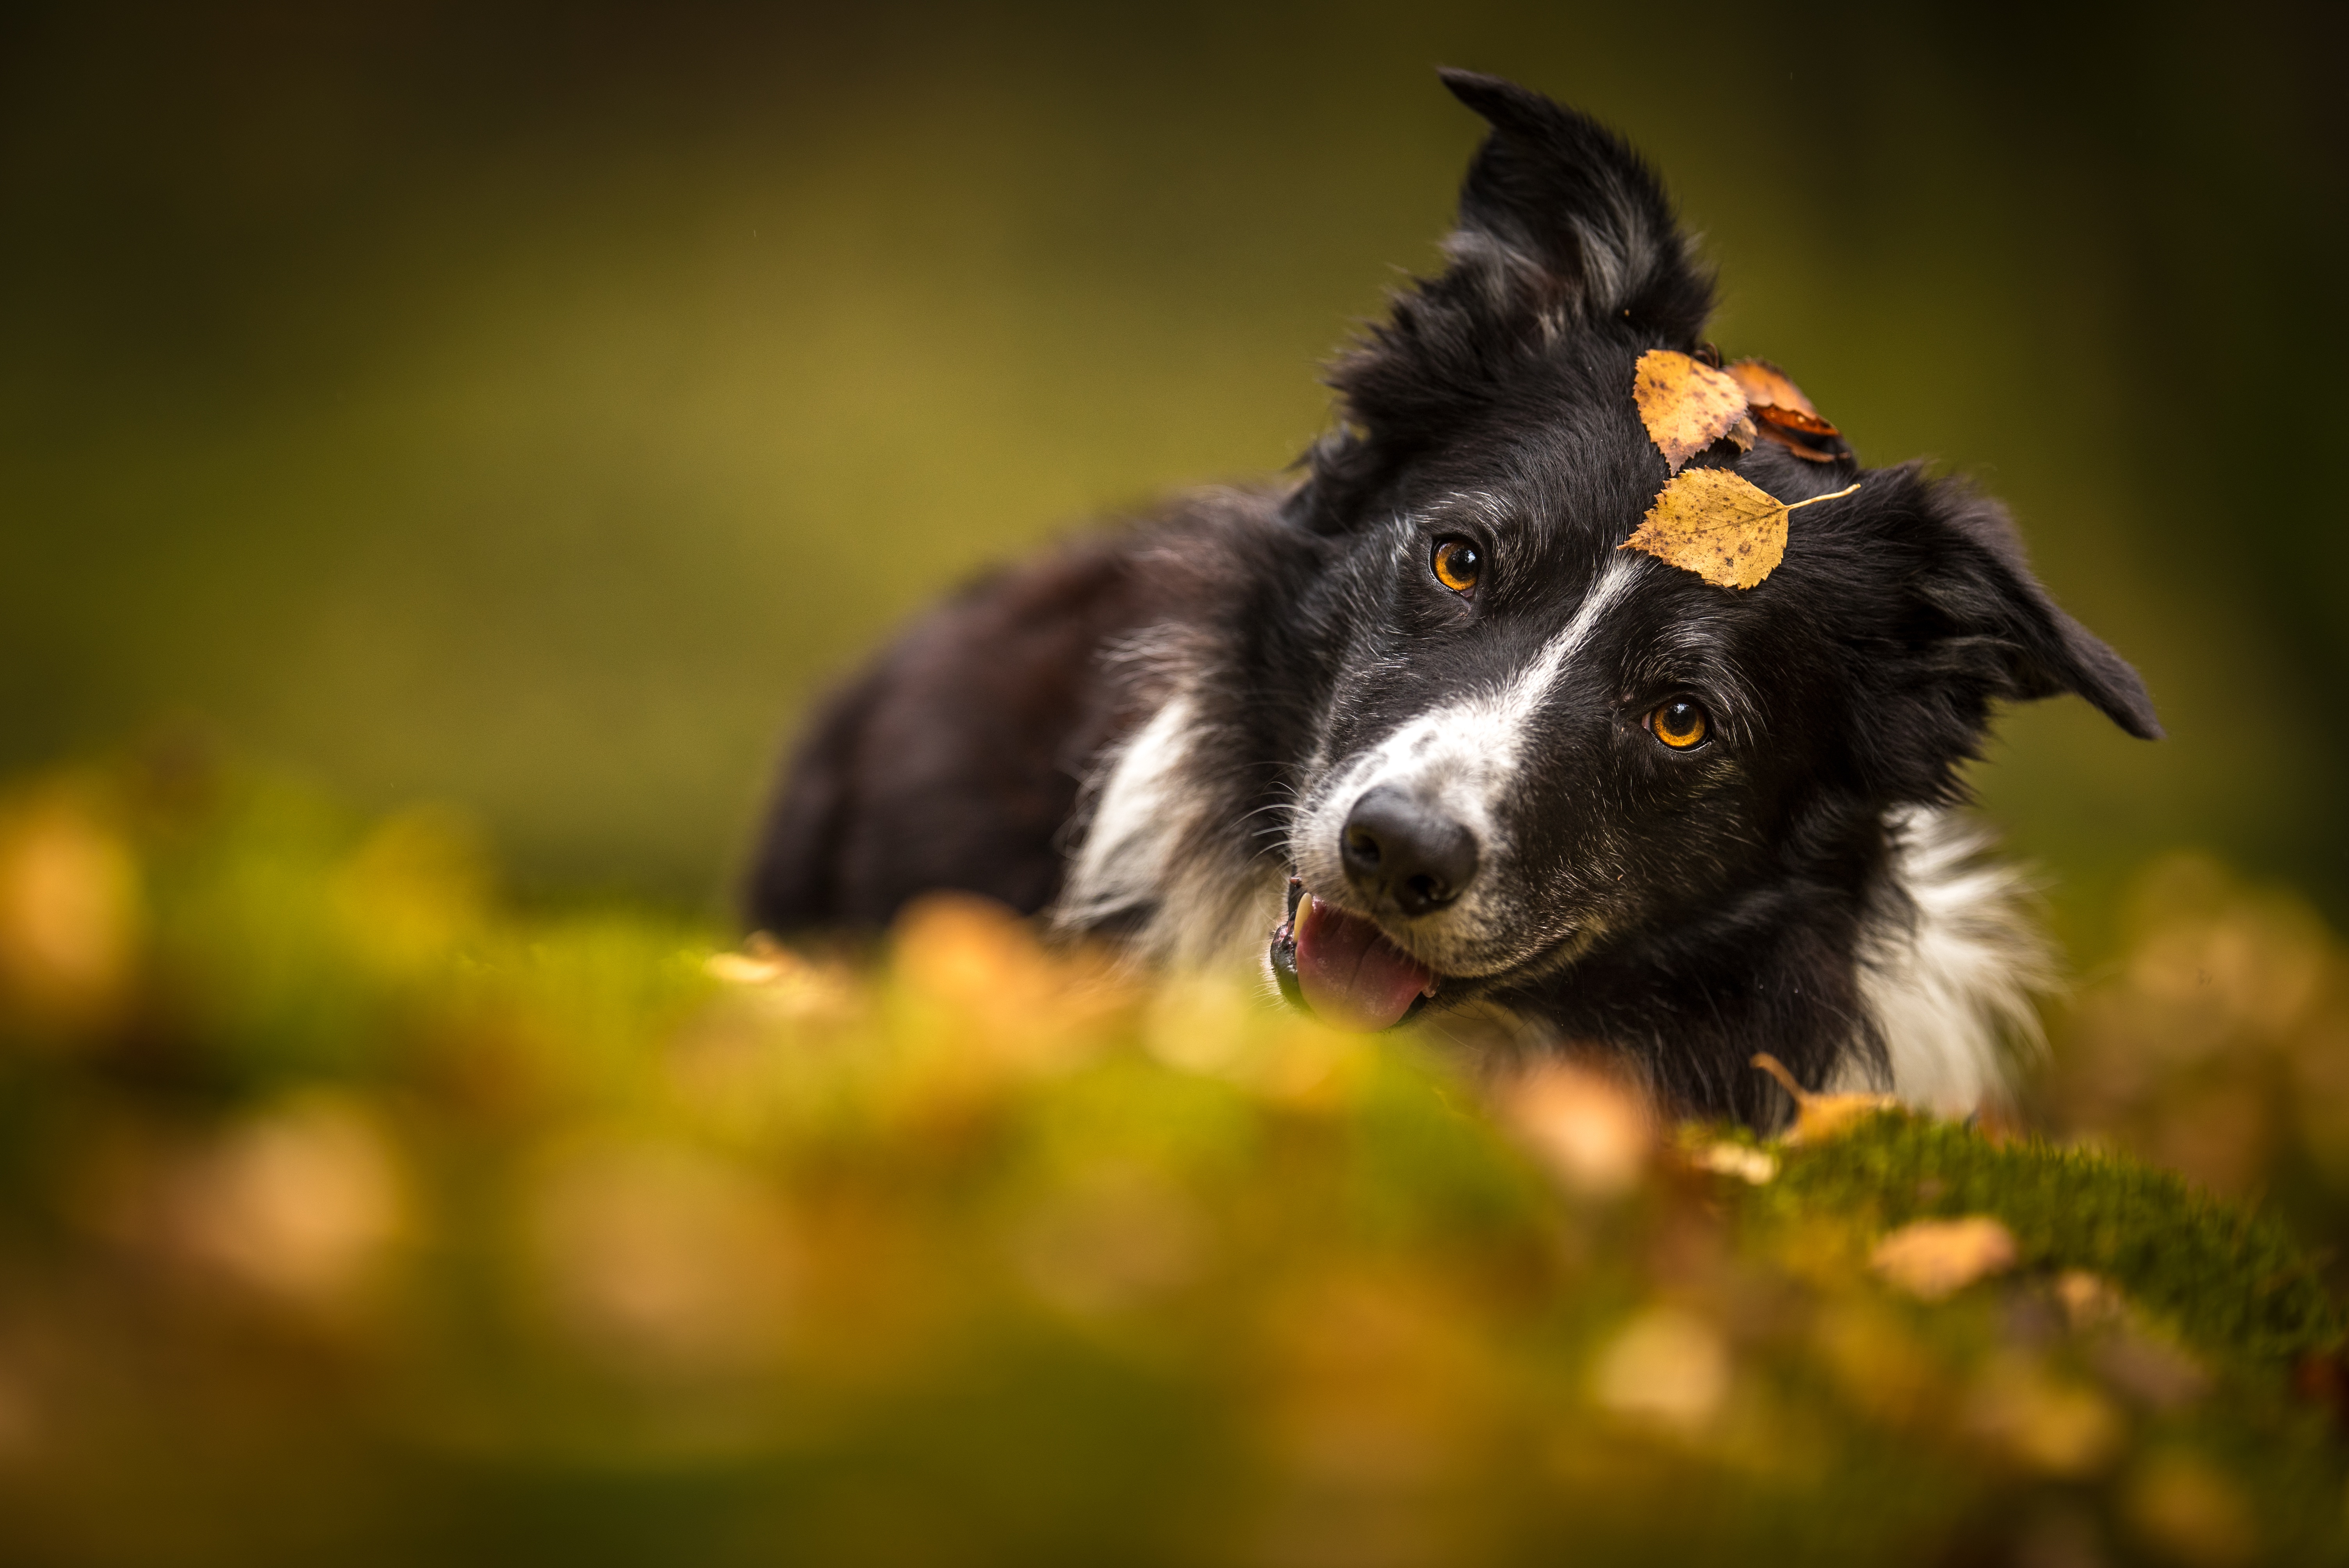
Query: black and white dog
(1516,772)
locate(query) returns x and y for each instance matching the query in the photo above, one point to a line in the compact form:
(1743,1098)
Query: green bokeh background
(531,406)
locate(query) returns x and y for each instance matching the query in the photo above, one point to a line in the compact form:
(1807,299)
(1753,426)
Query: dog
(1417,736)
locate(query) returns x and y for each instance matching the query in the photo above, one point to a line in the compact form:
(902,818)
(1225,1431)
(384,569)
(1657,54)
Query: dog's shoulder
(956,758)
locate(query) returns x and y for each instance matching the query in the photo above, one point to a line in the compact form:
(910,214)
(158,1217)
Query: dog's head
(1532,742)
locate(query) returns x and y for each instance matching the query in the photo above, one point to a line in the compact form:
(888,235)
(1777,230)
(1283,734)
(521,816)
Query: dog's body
(1428,684)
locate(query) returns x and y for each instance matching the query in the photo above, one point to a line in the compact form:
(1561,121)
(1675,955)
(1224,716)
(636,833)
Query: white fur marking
(1478,741)
(1460,758)
(1122,862)
(1950,981)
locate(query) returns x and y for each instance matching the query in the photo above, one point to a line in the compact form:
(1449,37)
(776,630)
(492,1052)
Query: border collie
(1415,734)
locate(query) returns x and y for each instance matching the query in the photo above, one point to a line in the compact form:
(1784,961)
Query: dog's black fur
(1685,909)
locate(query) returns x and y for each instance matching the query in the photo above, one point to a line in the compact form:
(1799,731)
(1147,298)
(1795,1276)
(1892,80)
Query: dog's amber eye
(1457,562)
(1678,725)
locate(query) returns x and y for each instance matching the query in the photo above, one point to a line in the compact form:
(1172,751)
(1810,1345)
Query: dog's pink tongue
(1352,976)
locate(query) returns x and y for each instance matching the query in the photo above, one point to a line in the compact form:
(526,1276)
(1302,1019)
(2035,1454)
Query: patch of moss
(2229,1278)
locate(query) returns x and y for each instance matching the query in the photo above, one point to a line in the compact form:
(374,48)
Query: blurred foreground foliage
(347,1215)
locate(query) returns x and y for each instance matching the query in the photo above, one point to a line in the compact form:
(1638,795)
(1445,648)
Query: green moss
(2229,1278)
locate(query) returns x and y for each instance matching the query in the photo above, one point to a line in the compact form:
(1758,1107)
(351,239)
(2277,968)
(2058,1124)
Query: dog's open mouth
(1343,968)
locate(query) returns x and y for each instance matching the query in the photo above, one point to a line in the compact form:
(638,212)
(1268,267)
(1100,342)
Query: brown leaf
(1765,385)
(1797,421)
(1821,1116)
(1714,523)
(1812,439)
(1785,415)
(1931,1259)
(1756,1167)
(1595,1132)
(1687,405)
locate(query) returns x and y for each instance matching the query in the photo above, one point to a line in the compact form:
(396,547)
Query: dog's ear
(1561,226)
(1560,211)
(1986,625)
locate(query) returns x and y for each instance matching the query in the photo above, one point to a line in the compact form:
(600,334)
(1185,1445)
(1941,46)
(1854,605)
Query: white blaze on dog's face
(1530,737)
(1424,825)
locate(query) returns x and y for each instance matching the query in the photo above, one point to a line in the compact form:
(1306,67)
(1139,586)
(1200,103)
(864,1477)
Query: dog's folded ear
(1994,629)
(1560,210)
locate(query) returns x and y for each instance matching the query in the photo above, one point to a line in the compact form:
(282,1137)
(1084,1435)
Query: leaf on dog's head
(1687,405)
(1714,523)
(1766,385)
(1807,435)
(1784,415)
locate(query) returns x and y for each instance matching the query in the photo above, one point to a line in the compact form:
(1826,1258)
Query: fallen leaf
(1755,1166)
(1710,522)
(1667,1365)
(304,1202)
(1821,1116)
(1764,385)
(1594,1132)
(1688,406)
(1932,1259)
(784,984)
(68,911)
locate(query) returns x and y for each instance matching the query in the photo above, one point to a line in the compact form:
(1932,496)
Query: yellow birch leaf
(1687,405)
(1714,523)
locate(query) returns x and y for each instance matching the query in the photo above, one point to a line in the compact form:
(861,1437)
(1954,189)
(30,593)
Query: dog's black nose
(1396,848)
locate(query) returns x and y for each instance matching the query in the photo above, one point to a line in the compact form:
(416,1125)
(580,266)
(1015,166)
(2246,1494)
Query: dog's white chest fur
(1950,962)
(1949,980)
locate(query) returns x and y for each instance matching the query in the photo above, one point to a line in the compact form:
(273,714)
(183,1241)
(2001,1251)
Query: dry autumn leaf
(1784,415)
(1687,405)
(1812,439)
(1595,1133)
(1756,1167)
(1766,385)
(1710,522)
(1821,1116)
(1932,1259)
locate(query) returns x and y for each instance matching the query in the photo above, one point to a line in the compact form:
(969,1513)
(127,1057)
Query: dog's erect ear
(1561,208)
(1999,631)
(1560,225)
